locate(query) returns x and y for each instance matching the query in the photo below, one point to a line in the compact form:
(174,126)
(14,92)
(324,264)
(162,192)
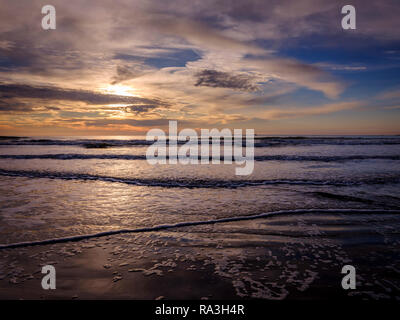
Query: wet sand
(174,265)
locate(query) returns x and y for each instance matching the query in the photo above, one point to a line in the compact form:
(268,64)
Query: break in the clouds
(278,66)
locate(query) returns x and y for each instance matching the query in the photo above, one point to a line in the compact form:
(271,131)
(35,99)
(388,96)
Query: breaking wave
(259,141)
(194,223)
(195,183)
(78,156)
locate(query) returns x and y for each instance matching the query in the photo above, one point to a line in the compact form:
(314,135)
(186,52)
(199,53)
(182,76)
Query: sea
(311,205)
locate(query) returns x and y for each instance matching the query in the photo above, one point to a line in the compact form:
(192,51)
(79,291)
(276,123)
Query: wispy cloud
(14,91)
(307,111)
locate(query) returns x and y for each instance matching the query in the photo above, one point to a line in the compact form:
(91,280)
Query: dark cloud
(157,122)
(54,93)
(53,108)
(15,106)
(218,79)
(129,122)
(124,73)
(141,108)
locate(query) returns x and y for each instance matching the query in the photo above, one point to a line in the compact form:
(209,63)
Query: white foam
(194,223)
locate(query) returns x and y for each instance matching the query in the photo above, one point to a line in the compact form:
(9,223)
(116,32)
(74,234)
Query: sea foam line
(185,183)
(191,223)
(73,156)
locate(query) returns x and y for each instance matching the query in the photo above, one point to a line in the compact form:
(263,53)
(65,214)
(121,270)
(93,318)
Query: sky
(124,67)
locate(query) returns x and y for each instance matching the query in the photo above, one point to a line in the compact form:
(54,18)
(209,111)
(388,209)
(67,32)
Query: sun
(119,90)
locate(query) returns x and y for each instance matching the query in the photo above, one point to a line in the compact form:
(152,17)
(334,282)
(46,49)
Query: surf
(193,223)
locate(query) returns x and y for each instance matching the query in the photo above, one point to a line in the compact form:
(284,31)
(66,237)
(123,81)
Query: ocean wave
(87,143)
(195,223)
(307,141)
(259,141)
(79,156)
(195,183)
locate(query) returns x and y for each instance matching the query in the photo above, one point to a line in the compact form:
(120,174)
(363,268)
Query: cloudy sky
(123,67)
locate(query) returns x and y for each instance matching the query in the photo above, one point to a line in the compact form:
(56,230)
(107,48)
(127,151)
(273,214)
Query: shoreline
(184,264)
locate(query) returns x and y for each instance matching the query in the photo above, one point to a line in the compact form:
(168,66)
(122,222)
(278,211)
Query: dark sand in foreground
(174,265)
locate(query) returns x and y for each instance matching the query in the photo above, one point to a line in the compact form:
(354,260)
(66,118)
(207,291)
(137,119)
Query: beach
(311,206)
